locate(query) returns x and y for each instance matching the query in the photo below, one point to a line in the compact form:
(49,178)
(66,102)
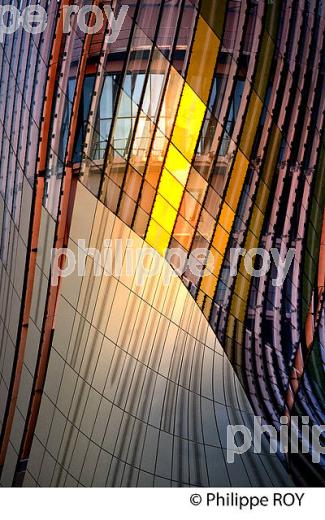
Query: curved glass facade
(199,128)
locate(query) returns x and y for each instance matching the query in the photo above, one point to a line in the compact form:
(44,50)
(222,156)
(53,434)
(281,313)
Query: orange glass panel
(183,232)
(220,240)
(156,159)
(190,209)
(227,218)
(206,225)
(237,179)
(209,285)
(197,186)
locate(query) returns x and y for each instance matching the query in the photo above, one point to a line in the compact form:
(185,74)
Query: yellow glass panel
(262,196)
(243,281)
(203,60)
(227,218)
(242,287)
(237,309)
(237,180)
(256,221)
(207,308)
(240,330)
(264,66)
(251,124)
(210,279)
(231,325)
(187,128)
(272,155)
(157,237)
(177,164)
(188,122)
(171,189)
(220,239)
(251,241)
(200,298)
(242,270)
(164,214)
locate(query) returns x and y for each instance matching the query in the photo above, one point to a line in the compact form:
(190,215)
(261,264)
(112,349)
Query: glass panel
(250,28)
(141,222)
(207,145)
(177,164)
(185,136)
(132,183)
(147,197)
(148,16)
(104,118)
(251,124)
(188,122)
(141,143)
(206,225)
(115,167)
(110,194)
(197,186)
(232,116)
(168,27)
(213,11)
(156,79)
(138,64)
(183,232)
(115,171)
(124,125)
(190,209)
(157,237)
(220,239)
(156,159)
(264,66)
(221,81)
(126,209)
(231,24)
(209,284)
(212,203)
(164,214)
(203,60)
(170,189)
(227,218)
(237,181)
(170,103)
(184,38)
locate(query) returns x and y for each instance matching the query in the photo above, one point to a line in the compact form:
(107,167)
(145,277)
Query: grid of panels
(138,391)
(201,126)
(241,152)
(23,63)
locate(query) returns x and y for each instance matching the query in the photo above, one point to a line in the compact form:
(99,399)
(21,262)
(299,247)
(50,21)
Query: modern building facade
(199,128)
